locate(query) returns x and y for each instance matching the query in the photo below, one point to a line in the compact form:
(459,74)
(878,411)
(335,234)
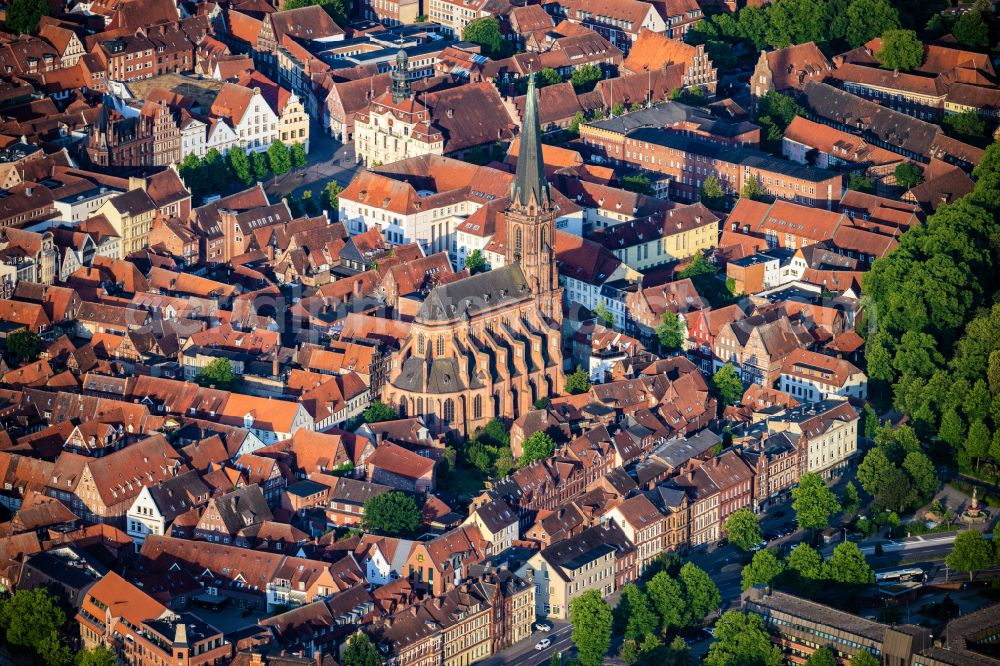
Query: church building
(489,345)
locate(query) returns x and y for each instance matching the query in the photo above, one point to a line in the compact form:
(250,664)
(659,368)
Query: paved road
(328,160)
(525,654)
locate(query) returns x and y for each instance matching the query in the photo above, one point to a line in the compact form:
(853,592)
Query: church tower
(531,216)
(401,78)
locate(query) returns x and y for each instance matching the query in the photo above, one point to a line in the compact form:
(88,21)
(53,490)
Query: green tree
(485,32)
(575,122)
(475,262)
(331,196)
(636,182)
(908,175)
(218,373)
(537,446)
(97,656)
(259,165)
(712,194)
(952,431)
(822,656)
(860,183)
(743,530)
(804,566)
(23,15)
(278,158)
(813,502)
(851,500)
(848,566)
(309,205)
(920,469)
(763,569)
(391,514)
(337,9)
(667,597)
(897,494)
(23,346)
(604,315)
(977,442)
(591,618)
(874,471)
(240,166)
(577,381)
(901,50)
(795,21)
(670,331)
(967,124)
(726,385)
(31,619)
(379,411)
(970,553)
(297,155)
(740,640)
(360,651)
(700,591)
(867,19)
(634,616)
(972,31)
(584,78)
(617,109)
(865,658)
(548,77)
(752,189)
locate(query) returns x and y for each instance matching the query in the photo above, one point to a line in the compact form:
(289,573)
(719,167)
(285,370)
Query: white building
(156,506)
(248,113)
(194,138)
(811,377)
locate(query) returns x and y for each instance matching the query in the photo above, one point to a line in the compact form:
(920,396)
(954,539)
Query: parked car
(542,644)
(541,626)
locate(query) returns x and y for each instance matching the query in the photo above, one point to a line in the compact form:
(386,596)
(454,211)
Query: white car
(541,626)
(542,644)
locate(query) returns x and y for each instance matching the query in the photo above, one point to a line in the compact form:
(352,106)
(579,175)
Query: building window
(477,407)
(449,410)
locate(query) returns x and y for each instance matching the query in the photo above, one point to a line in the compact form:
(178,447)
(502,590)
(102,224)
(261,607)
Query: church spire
(529,180)
(401,78)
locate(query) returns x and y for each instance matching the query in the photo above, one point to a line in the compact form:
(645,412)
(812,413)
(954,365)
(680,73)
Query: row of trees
(932,327)
(215,174)
(644,617)
(307,204)
(805,572)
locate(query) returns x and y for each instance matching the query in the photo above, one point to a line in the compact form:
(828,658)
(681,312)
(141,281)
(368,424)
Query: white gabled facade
(221,137)
(144,517)
(258,127)
(194,138)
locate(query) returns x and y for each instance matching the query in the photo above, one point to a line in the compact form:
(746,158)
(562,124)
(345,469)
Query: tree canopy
(813,502)
(577,381)
(23,15)
(741,640)
(378,411)
(901,50)
(475,262)
(391,514)
(218,373)
(971,30)
(537,446)
(700,591)
(485,31)
(970,553)
(867,19)
(585,77)
(908,175)
(670,331)
(634,616)
(848,566)
(31,619)
(763,569)
(23,346)
(743,529)
(337,9)
(360,651)
(726,385)
(592,620)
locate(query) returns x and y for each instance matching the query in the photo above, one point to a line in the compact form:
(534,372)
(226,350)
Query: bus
(914,575)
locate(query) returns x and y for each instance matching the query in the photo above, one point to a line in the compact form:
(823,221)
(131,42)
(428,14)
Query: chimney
(136,183)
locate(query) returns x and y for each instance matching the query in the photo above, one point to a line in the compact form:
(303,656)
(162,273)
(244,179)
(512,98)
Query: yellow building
(667,236)
(131,215)
(293,124)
